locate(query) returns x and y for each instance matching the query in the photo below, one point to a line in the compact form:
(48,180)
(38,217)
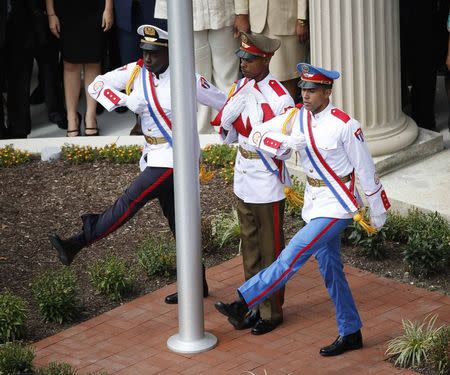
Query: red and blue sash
(156,112)
(343,194)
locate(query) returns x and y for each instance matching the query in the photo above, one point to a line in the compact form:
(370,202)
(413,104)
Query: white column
(361,39)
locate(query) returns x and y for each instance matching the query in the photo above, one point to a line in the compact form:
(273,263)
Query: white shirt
(207,14)
(253,182)
(341,143)
(159,155)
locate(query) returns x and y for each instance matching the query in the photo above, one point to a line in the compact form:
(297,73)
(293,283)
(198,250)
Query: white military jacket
(253,181)
(106,90)
(340,141)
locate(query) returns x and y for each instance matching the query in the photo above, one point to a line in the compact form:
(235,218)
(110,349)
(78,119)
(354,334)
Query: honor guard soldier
(258,177)
(147,86)
(333,152)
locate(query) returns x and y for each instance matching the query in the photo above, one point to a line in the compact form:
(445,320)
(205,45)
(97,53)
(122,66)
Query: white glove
(232,110)
(378,221)
(135,103)
(296,143)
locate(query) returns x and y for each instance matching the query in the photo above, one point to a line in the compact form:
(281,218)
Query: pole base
(176,344)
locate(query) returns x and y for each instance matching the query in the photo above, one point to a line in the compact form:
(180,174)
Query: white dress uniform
(106,90)
(340,141)
(253,181)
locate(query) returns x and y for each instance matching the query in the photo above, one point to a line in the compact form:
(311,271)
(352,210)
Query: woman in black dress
(81,27)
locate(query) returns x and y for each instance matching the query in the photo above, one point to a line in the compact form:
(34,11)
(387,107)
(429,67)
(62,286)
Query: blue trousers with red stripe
(152,183)
(320,237)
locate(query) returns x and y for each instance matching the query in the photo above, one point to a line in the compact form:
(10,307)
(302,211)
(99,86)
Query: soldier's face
(156,61)
(256,69)
(315,100)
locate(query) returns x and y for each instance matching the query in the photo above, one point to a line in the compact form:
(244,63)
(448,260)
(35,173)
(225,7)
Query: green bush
(56,295)
(412,348)
(428,247)
(12,317)
(225,228)
(9,157)
(157,256)
(111,277)
(117,154)
(299,188)
(373,246)
(57,368)
(396,227)
(439,351)
(16,358)
(221,157)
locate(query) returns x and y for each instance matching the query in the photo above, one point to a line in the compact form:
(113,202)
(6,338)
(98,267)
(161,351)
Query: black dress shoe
(67,249)
(235,311)
(342,344)
(172,299)
(251,318)
(264,326)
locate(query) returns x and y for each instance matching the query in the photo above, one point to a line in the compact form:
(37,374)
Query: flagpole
(191,337)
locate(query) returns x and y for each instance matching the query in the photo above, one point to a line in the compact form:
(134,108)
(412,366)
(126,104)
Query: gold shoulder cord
(130,81)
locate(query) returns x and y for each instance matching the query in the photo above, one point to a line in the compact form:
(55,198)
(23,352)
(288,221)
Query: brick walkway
(131,339)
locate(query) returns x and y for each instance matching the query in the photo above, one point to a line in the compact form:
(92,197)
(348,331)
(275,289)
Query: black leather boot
(343,344)
(236,312)
(172,299)
(67,249)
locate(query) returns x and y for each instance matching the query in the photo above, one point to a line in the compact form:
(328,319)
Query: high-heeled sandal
(96,133)
(77,130)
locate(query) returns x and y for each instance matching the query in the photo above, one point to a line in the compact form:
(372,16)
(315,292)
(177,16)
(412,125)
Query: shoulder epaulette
(277,87)
(340,114)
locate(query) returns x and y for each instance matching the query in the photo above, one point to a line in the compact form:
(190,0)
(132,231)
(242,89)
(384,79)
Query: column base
(388,139)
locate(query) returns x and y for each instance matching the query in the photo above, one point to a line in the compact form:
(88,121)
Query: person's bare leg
(72,86)
(90,72)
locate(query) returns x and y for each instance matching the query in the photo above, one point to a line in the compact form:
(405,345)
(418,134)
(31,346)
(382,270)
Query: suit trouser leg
(150,184)
(269,220)
(332,271)
(313,236)
(262,239)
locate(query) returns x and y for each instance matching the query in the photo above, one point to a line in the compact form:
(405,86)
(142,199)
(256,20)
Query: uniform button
(311,170)
(244,172)
(313,198)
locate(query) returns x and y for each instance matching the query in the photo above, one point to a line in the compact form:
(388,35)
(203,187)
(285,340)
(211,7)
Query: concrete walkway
(131,339)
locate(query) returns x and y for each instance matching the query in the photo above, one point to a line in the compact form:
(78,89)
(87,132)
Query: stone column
(361,39)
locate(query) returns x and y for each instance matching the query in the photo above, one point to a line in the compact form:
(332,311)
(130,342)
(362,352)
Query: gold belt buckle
(151,140)
(244,153)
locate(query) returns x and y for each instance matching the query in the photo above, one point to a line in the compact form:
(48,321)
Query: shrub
(299,188)
(111,277)
(439,350)
(373,245)
(12,317)
(9,157)
(117,154)
(221,157)
(225,227)
(410,349)
(396,227)
(157,256)
(57,368)
(16,358)
(56,295)
(428,247)
(208,244)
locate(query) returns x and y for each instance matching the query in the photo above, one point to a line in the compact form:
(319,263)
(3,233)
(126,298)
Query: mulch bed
(39,198)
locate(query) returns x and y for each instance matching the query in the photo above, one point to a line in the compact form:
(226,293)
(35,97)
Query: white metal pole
(191,337)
